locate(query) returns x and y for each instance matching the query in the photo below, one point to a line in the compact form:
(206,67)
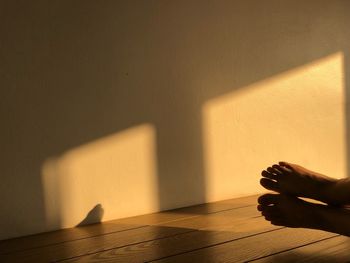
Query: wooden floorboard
(210,230)
(149,227)
(57,237)
(226,231)
(252,247)
(334,249)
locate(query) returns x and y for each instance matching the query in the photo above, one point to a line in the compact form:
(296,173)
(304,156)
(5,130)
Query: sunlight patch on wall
(119,172)
(296,116)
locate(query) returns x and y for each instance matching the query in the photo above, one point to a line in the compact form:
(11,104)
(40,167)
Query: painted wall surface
(119,108)
(298,115)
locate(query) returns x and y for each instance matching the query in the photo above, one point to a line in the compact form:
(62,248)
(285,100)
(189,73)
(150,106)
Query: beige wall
(120,108)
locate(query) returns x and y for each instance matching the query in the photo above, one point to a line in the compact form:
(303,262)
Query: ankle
(331,192)
(335,220)
(339,191)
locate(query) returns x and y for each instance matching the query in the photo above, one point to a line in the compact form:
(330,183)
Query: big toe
(269,184)
(269,199)
(287,165)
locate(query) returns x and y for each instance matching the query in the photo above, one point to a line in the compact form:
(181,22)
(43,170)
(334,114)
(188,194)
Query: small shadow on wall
(74,73)
(94,216)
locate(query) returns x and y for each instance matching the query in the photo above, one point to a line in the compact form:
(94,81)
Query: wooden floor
(226,231)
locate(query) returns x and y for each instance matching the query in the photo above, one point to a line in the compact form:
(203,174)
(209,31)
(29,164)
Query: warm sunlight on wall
(297,116)
(118,172)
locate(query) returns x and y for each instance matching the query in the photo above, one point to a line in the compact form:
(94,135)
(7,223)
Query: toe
(272,217)
(267,209)
(269,184)
(268,175)
(278,169)
(268,218)
(271,210)
(271,170)
(269,199)
(285,169)
(286,165)
(278,222)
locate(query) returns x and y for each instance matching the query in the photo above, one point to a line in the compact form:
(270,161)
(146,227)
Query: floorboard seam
(217,244)
(63,242)
(132,244)
(286,250)
(144,226)
(170,236)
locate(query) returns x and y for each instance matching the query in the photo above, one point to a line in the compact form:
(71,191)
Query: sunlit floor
(226,231)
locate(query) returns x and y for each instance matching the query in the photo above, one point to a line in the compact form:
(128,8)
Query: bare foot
(284,210)
(292,179)
(287,211)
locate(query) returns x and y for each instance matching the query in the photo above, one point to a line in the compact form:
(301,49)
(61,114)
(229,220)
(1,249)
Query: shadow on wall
(265,119)
(94,216)
(77,72)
